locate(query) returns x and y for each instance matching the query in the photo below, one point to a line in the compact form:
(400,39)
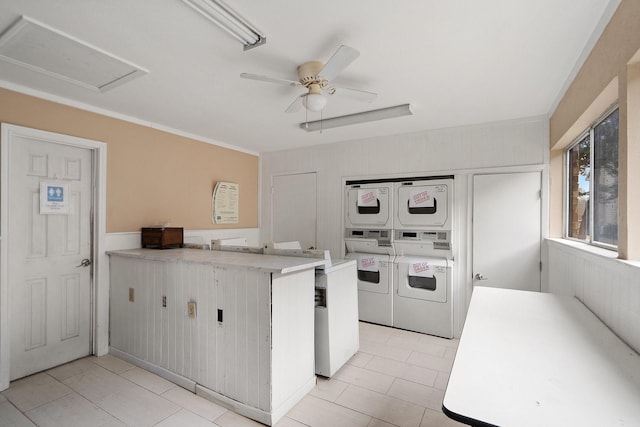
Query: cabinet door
(243,340)
(188,337)
(135,309)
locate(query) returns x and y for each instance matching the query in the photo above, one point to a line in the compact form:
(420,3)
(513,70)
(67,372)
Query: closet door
(507,230)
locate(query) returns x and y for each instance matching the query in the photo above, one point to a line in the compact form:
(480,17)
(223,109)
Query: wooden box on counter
(162,237)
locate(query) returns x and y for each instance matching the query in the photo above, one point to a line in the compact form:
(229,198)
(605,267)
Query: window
(592,184)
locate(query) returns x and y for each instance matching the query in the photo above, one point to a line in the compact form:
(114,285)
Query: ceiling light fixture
(352,119)
(229,20)
(314,100)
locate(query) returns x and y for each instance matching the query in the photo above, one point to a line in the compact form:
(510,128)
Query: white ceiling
(457,62)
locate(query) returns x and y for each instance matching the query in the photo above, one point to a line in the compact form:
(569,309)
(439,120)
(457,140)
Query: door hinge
(540,266)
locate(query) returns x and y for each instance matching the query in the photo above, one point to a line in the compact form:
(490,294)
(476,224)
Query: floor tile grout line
(385,395)
(71,392)
(180,408)
(435,371)
(132,385)
(45,403)
(23,413)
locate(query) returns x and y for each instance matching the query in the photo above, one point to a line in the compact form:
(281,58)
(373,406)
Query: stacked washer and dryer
(399,231)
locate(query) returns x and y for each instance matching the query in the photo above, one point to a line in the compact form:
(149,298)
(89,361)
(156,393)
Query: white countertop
(336,264)
(536,359)
(270,263)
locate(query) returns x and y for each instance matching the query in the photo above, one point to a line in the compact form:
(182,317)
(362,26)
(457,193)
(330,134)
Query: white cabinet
(250,344)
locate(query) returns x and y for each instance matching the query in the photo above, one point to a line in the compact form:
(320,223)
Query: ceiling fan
(315,77)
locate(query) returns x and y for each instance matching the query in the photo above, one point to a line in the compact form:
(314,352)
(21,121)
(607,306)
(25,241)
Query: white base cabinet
(250,344)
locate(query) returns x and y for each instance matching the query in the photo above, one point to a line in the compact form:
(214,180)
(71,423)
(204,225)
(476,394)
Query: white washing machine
(422,295)
(423,204)
(369,205)
(375,287)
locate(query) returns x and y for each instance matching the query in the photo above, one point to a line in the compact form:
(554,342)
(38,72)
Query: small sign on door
(54,198)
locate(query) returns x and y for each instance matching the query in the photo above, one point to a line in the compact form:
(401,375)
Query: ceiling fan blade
(360,95)
(269,79)
(340,60)
(295,105)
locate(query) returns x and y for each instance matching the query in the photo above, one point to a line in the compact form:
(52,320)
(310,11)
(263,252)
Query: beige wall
(152,175)
(608,75)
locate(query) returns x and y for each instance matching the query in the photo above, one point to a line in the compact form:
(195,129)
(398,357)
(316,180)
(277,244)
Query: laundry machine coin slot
(368,241)
(442,246)
(430,210)
(427,283)
(369,276)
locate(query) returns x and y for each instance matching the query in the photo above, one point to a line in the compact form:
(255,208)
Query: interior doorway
(52,226)
(293,209)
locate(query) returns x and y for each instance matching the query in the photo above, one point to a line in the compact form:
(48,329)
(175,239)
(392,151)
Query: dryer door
(423,203)
(368,206)
(423,278)
(374,272)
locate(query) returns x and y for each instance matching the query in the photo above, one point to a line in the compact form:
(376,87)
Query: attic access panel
(38,47)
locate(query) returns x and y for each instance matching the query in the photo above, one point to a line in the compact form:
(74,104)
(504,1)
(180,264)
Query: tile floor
(396,379)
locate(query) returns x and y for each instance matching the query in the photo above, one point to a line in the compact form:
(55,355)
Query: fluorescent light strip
(352,119)
(230,21)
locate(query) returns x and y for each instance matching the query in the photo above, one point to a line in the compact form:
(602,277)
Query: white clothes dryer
(369,205)
(423,204)
(422,299)
(375,287)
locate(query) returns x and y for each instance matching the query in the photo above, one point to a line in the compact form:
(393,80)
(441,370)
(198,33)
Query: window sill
(591,250)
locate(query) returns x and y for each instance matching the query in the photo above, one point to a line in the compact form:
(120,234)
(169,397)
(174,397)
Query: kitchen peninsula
(235,327)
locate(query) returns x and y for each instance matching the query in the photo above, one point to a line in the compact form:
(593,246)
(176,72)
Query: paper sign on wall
(54,198)
(421,198)
(420,269)
(225,203)
(368,263)
(367,198)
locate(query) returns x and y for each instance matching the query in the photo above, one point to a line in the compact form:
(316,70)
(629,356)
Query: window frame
(566,180)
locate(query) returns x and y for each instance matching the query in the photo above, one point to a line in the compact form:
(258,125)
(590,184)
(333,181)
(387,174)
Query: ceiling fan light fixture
(314,101)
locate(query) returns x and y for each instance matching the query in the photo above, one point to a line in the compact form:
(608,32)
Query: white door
(49,273)
(293,209)
(507,230)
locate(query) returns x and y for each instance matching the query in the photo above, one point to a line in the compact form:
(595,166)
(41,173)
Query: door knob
(480,277)
(84,263)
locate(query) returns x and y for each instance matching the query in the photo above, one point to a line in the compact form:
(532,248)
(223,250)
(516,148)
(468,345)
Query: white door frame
(100,285)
